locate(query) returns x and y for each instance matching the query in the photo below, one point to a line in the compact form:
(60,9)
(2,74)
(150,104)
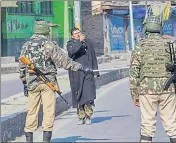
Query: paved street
(11,83)
(115,119)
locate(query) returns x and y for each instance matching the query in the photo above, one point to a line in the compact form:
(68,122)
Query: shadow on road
(75,138)
(74,112)
(102,119)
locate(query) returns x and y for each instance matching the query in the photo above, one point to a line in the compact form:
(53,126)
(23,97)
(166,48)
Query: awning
(120,11)
(9,4)
(138,12)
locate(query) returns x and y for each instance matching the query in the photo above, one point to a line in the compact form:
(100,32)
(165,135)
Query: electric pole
(131,24)
(77,15)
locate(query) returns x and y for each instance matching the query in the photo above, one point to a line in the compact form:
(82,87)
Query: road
(11,83)
(115,119)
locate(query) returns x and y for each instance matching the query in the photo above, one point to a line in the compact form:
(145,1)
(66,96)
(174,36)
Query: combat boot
(173,140)
(145,139)
(29,137)
(47,136)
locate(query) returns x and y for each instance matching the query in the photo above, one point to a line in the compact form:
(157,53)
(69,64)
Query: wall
(63,16)
(3,29)
(92,27)
(58,10)
(16,28)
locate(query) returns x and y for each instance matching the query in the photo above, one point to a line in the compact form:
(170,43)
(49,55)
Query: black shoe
(47,136)
(173,140)
(29,137)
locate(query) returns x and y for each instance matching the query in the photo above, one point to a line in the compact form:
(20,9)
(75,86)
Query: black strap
(146,138)
(24,82)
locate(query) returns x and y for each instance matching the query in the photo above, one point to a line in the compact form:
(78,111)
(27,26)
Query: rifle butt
(168,83)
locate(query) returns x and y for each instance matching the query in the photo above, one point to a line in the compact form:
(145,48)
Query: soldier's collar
(153,34)
(35,36)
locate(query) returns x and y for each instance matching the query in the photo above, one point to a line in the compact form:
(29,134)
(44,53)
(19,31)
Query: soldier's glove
(25,90)
(86,70)
(136,102)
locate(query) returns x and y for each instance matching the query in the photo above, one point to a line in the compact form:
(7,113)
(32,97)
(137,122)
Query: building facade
(17,23)
(111,31)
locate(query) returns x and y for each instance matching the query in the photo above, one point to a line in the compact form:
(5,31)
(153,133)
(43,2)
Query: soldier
(147,77)
(45,55)
(82,85)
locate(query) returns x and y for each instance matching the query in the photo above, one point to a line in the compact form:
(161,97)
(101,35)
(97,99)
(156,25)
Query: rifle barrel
(110,69)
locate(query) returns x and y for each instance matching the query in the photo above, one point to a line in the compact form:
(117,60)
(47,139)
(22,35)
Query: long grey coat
(82,85)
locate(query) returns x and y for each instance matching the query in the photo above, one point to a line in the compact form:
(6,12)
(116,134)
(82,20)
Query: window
(46,8)
(23,8)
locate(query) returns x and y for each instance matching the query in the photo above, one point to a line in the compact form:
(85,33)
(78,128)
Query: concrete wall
(92,26)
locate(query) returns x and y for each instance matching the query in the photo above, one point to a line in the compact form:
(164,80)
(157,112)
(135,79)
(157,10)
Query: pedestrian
(83,85)
(45,55)
(148,74)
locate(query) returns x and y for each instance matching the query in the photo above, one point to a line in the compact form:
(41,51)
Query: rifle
(171,68)
(41,75)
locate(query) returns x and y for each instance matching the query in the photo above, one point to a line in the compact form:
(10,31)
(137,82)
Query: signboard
(116,32)
(170,26)
(9,4)
(137,31)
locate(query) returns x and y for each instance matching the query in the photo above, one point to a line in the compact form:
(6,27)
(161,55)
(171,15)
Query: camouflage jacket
(143,85)
(45,55)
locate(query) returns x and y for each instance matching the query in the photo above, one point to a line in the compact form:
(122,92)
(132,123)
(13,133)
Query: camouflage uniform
(44,54)
(147,77)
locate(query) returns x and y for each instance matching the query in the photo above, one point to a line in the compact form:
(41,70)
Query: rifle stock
(168,82)
(41,75)
(26,61)
(171,68)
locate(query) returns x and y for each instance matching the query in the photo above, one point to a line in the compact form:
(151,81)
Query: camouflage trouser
(85,110)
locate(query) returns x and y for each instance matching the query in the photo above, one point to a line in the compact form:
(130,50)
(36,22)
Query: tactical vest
(35,52)
(154,57)
(37,55)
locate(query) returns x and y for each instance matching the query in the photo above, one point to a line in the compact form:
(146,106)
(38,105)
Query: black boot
(173,140)
(29,137)
(47,136)
(145,139)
